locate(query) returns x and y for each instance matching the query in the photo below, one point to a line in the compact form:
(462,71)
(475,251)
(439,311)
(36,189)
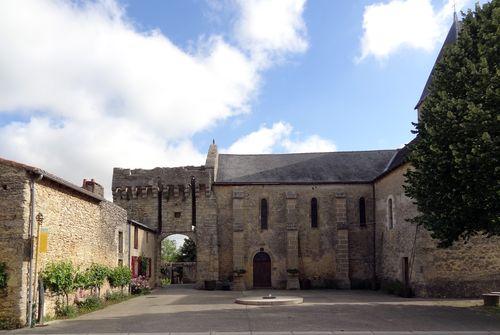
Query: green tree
(96,275)
(456,171)
(120,277)
(59,277)
(187,253)
(169,252)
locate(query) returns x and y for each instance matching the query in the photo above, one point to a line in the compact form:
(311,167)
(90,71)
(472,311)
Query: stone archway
(177,272)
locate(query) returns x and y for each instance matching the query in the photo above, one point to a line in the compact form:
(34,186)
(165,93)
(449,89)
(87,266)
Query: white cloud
(270,28)
(98,93)
(261,141)
(313,143)
(278,138)
(416,24)
(77,151)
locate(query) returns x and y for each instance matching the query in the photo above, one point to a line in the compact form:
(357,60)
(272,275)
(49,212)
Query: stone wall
(80,229)
(162,199)
(241,237)
(464,270)
(14,214)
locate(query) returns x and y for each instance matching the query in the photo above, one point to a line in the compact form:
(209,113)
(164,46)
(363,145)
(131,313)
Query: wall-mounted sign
(43,240)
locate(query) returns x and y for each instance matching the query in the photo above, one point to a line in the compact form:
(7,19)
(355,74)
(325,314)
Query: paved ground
(188,311)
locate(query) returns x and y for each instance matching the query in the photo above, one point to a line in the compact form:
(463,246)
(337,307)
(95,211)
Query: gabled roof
(399,158)
(451,38)
(142,226)
(303,168)
(51,177)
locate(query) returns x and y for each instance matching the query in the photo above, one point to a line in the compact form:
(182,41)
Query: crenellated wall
(161,198)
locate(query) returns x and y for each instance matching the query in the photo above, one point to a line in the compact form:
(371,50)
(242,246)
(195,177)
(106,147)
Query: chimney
(93,186)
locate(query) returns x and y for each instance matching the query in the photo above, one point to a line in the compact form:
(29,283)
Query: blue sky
(359,106)
(87,86)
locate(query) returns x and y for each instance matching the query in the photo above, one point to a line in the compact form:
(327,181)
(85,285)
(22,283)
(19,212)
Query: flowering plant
(140,285)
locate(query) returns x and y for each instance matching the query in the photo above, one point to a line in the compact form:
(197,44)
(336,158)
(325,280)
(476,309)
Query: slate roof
(450,39)
(303,168)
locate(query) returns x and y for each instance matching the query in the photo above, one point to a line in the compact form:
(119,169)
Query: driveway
(187,310)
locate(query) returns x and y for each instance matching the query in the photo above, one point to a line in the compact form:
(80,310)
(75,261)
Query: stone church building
(333,220)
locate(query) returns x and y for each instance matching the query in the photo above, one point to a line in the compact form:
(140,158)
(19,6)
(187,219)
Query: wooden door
(261,270)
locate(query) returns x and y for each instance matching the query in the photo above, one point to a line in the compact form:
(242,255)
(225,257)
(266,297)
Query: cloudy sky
(87,86)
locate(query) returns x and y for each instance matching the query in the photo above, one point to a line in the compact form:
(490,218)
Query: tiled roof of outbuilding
(303,168)
(51,177)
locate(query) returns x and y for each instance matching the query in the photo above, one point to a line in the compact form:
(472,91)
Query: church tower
(451,38)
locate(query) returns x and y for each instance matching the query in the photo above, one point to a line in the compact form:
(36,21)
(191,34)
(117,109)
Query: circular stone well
(266,301)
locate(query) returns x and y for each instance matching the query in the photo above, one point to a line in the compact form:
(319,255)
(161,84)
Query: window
(314,213)
(120,262)
(177,215)
(147,237)
(263,214)
(136,238)
(144,266)
(120,242)
(362,212)
(390,213)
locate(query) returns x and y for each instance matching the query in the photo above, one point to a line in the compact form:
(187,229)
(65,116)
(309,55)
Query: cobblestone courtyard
(184,310)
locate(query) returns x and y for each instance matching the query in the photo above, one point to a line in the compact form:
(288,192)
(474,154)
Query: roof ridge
(51,176)
(308,153)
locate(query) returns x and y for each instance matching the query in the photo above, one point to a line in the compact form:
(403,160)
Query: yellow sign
(43,240)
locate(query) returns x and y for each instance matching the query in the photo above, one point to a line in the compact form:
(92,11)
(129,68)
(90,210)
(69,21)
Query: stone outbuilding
(74,223)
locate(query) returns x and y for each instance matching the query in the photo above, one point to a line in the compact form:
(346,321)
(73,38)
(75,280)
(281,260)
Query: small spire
(213,140)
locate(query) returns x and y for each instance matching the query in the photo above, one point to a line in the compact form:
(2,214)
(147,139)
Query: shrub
(119,277)
(90,304)
(4,277)
(140,285)
(9,323)
(96,275)
(82,280)
(66,311)
(115,296)
(165,282)
(59,278)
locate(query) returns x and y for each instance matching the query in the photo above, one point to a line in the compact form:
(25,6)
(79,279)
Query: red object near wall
(134,265)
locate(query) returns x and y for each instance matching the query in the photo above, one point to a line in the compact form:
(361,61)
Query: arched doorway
(178,260)
(261,270)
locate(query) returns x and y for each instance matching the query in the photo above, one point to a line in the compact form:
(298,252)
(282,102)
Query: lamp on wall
(39,218)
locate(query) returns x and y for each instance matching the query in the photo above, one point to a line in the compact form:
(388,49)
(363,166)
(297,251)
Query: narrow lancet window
(390,214)
(362,212)
(263,214)
(314,213)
